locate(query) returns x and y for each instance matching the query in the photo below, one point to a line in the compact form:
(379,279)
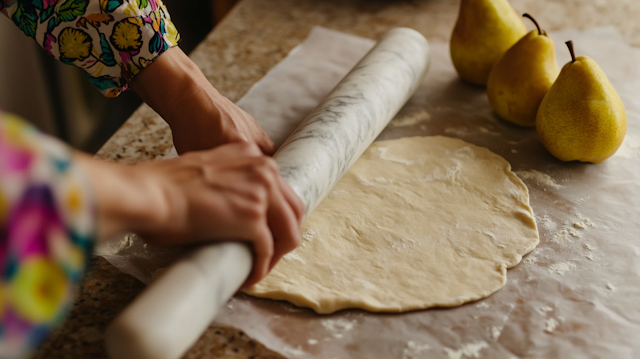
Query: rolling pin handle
(168,317)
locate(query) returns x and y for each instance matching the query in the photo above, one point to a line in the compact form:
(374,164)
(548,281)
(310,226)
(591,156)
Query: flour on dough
(416,223)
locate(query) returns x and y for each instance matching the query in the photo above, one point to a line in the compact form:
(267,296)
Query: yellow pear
(522,77)
(485,29)
(581,117)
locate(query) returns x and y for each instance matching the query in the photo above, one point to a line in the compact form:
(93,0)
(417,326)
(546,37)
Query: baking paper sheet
(576,296)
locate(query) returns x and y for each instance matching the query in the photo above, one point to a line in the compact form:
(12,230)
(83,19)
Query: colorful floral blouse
(112,40)
(47,216)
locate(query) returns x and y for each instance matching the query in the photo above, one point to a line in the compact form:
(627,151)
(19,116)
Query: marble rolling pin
(165,320)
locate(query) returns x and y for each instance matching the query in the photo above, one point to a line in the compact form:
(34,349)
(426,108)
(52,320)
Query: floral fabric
(112,40)
(46,234)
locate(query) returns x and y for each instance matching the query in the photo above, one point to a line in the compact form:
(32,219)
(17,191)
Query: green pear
(582,117)
(522,77)
(485,29)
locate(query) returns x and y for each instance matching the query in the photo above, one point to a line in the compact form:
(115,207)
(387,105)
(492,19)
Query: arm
(119,44)
(55,203)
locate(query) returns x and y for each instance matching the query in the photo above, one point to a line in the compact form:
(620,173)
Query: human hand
(229,193)
(199,116)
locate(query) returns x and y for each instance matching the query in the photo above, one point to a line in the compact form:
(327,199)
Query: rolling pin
(171,314)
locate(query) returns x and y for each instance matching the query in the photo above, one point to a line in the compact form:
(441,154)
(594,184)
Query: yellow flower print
(15,130)
(126,36)
(172,36)
(74,200)
(74,44)
(38,290)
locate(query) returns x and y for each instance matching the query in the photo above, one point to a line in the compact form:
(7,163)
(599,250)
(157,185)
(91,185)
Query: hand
(232,192)
(199,116)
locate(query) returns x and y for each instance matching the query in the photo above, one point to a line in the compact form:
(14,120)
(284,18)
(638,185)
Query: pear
(485,29)
(581,117)
(521,78)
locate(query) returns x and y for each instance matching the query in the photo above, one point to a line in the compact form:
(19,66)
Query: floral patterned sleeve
(46,234)
(112,40)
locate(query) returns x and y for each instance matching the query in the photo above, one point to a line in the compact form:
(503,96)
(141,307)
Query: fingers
(263,252)
(266,145)
(234,191)
(292,198)
(284,225)
(282,219)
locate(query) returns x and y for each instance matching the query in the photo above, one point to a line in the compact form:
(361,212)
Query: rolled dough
(416,223)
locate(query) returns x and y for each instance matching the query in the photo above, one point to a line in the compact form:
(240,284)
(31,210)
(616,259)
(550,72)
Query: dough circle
(416,223)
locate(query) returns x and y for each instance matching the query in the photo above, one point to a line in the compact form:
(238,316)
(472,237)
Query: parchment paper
(576,296)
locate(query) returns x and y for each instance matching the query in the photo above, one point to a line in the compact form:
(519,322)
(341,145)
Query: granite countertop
(255,36)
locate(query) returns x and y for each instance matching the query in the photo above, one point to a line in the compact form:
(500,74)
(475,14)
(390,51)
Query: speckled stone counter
(252,39)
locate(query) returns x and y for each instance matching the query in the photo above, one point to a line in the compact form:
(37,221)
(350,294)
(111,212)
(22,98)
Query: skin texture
(582,117)
(199,116)
(231,192)
(522,77)
(485,29)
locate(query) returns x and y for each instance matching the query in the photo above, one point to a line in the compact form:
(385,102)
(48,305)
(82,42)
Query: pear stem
(534,21)
(570,46)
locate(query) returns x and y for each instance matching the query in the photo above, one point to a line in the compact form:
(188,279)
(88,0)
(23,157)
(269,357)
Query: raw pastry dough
(415,223)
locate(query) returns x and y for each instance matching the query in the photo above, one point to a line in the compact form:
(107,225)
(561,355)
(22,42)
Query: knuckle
(263,172)
(251,206)
(253,209)
(249,148)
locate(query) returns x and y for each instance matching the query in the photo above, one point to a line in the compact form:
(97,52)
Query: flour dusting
(293,256)
(413,119)
(550,325)
(382,151)
(364,182)
(547,223)
(463,131)
(309,234)
(126,241)
(565,235)
(529,259)
(294,352)
(542,179)
(561,267)
(482,305)
(495,332)
(488,132)
(312,342)
(544,310)
(470,350)
(336,193)
(413,350)
(337,327)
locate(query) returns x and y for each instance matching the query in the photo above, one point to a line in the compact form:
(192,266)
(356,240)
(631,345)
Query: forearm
(199,116)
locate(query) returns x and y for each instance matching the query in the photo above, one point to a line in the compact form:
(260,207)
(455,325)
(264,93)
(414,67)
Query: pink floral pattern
(46,234)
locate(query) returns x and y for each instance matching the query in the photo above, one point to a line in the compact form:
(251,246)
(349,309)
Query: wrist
(176,89)
(126,197)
